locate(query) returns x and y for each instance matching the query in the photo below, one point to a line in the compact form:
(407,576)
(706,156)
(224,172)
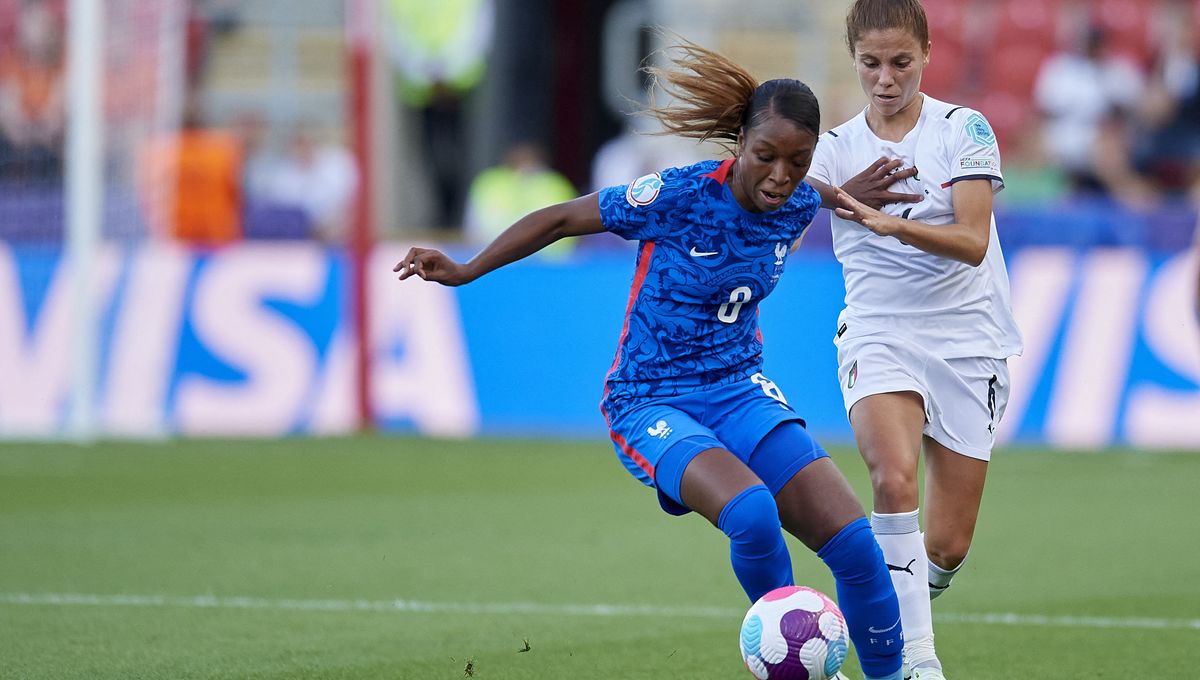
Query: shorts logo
(643,190)
(660,430)
(853,375)
(991,402)
(979,130)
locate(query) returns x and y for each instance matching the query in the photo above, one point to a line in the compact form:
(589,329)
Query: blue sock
(867,598)
(760,557)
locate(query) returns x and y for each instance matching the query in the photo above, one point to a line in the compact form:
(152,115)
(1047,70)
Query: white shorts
(964,398)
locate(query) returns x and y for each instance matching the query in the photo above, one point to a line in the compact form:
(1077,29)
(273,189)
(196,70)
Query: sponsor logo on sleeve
(977,163)
(644,190)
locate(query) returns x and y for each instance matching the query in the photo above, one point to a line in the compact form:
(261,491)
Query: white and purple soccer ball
(794,633)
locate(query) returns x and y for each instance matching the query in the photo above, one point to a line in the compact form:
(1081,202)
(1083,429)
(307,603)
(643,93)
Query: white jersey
(950,308)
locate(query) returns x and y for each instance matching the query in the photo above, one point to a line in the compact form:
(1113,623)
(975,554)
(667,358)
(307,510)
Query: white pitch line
(516,608)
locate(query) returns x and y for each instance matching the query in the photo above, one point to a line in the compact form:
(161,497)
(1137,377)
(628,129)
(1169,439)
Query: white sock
(899,535)
(939,579)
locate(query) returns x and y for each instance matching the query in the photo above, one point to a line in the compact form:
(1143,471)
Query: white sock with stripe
(939,579)
(899,535)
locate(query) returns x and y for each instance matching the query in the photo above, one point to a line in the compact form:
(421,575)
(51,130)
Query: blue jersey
(704,264)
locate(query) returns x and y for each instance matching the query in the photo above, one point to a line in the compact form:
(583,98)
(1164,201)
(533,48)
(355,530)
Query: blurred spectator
(258,163)
(319,178)
(501,195)
(206,19)
(32,104)
(190,183)
(1169,148)
(1088,99)
(440,50)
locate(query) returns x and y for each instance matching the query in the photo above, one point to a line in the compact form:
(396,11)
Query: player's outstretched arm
(528,235)
(872,186)
(966,240)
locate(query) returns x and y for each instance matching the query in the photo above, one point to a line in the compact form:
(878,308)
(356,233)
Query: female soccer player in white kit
(927,329)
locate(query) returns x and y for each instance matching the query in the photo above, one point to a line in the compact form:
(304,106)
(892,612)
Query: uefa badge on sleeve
(643,190)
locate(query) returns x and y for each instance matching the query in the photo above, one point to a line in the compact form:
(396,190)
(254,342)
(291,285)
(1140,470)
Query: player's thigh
(887,430)
(713,478)
(885,396)
(813,497)
(656,442)
(816,503)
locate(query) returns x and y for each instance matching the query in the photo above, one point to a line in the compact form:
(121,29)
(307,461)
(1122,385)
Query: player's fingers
(843,213)
(889,167)
(874,168)
(846,200)
(905,173)
(413,263)
(406,261)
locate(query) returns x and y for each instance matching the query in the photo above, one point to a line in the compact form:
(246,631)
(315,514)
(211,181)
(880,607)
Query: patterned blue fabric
(704,265)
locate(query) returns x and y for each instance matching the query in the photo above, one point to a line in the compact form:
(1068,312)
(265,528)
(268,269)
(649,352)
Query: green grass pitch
(380,557)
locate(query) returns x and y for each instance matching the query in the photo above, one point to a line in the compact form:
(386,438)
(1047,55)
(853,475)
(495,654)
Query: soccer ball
(794,633)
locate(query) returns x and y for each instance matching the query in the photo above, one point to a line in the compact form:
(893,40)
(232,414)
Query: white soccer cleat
(918,651)
(928,673)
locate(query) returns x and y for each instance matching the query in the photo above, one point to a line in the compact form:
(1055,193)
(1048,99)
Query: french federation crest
(979,130)
(643,190)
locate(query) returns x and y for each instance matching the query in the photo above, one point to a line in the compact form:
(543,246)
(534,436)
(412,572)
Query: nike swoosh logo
(872,629)
(696,253)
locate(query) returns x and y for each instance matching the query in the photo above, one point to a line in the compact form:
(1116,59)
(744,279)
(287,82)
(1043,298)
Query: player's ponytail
(715,99)
(711,92)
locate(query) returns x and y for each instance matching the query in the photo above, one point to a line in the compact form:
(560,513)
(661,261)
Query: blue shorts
(657,438)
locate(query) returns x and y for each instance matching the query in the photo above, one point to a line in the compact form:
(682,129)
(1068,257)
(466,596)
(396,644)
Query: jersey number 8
(728,312)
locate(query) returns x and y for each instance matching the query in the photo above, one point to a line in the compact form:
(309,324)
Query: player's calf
(867,598)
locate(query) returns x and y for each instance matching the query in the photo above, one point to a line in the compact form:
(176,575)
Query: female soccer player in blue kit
(690,412)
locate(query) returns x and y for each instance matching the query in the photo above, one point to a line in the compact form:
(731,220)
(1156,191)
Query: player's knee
(751,520)
(894,488)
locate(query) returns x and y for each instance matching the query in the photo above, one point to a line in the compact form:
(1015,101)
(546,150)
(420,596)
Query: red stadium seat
(947,20)
(1126,25)
(944,76)
(1025,33)
(1026,22)
(1014,68)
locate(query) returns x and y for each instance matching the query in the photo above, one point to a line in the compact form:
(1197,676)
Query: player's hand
(872,187)
(431,265)
(856,211)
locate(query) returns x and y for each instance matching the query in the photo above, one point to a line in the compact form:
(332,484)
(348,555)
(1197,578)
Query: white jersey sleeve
(823,167)
(975,154)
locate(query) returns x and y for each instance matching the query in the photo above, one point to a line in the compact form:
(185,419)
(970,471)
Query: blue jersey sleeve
(641,210)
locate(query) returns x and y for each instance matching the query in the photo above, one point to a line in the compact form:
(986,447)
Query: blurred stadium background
(202,245)
(200,205)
